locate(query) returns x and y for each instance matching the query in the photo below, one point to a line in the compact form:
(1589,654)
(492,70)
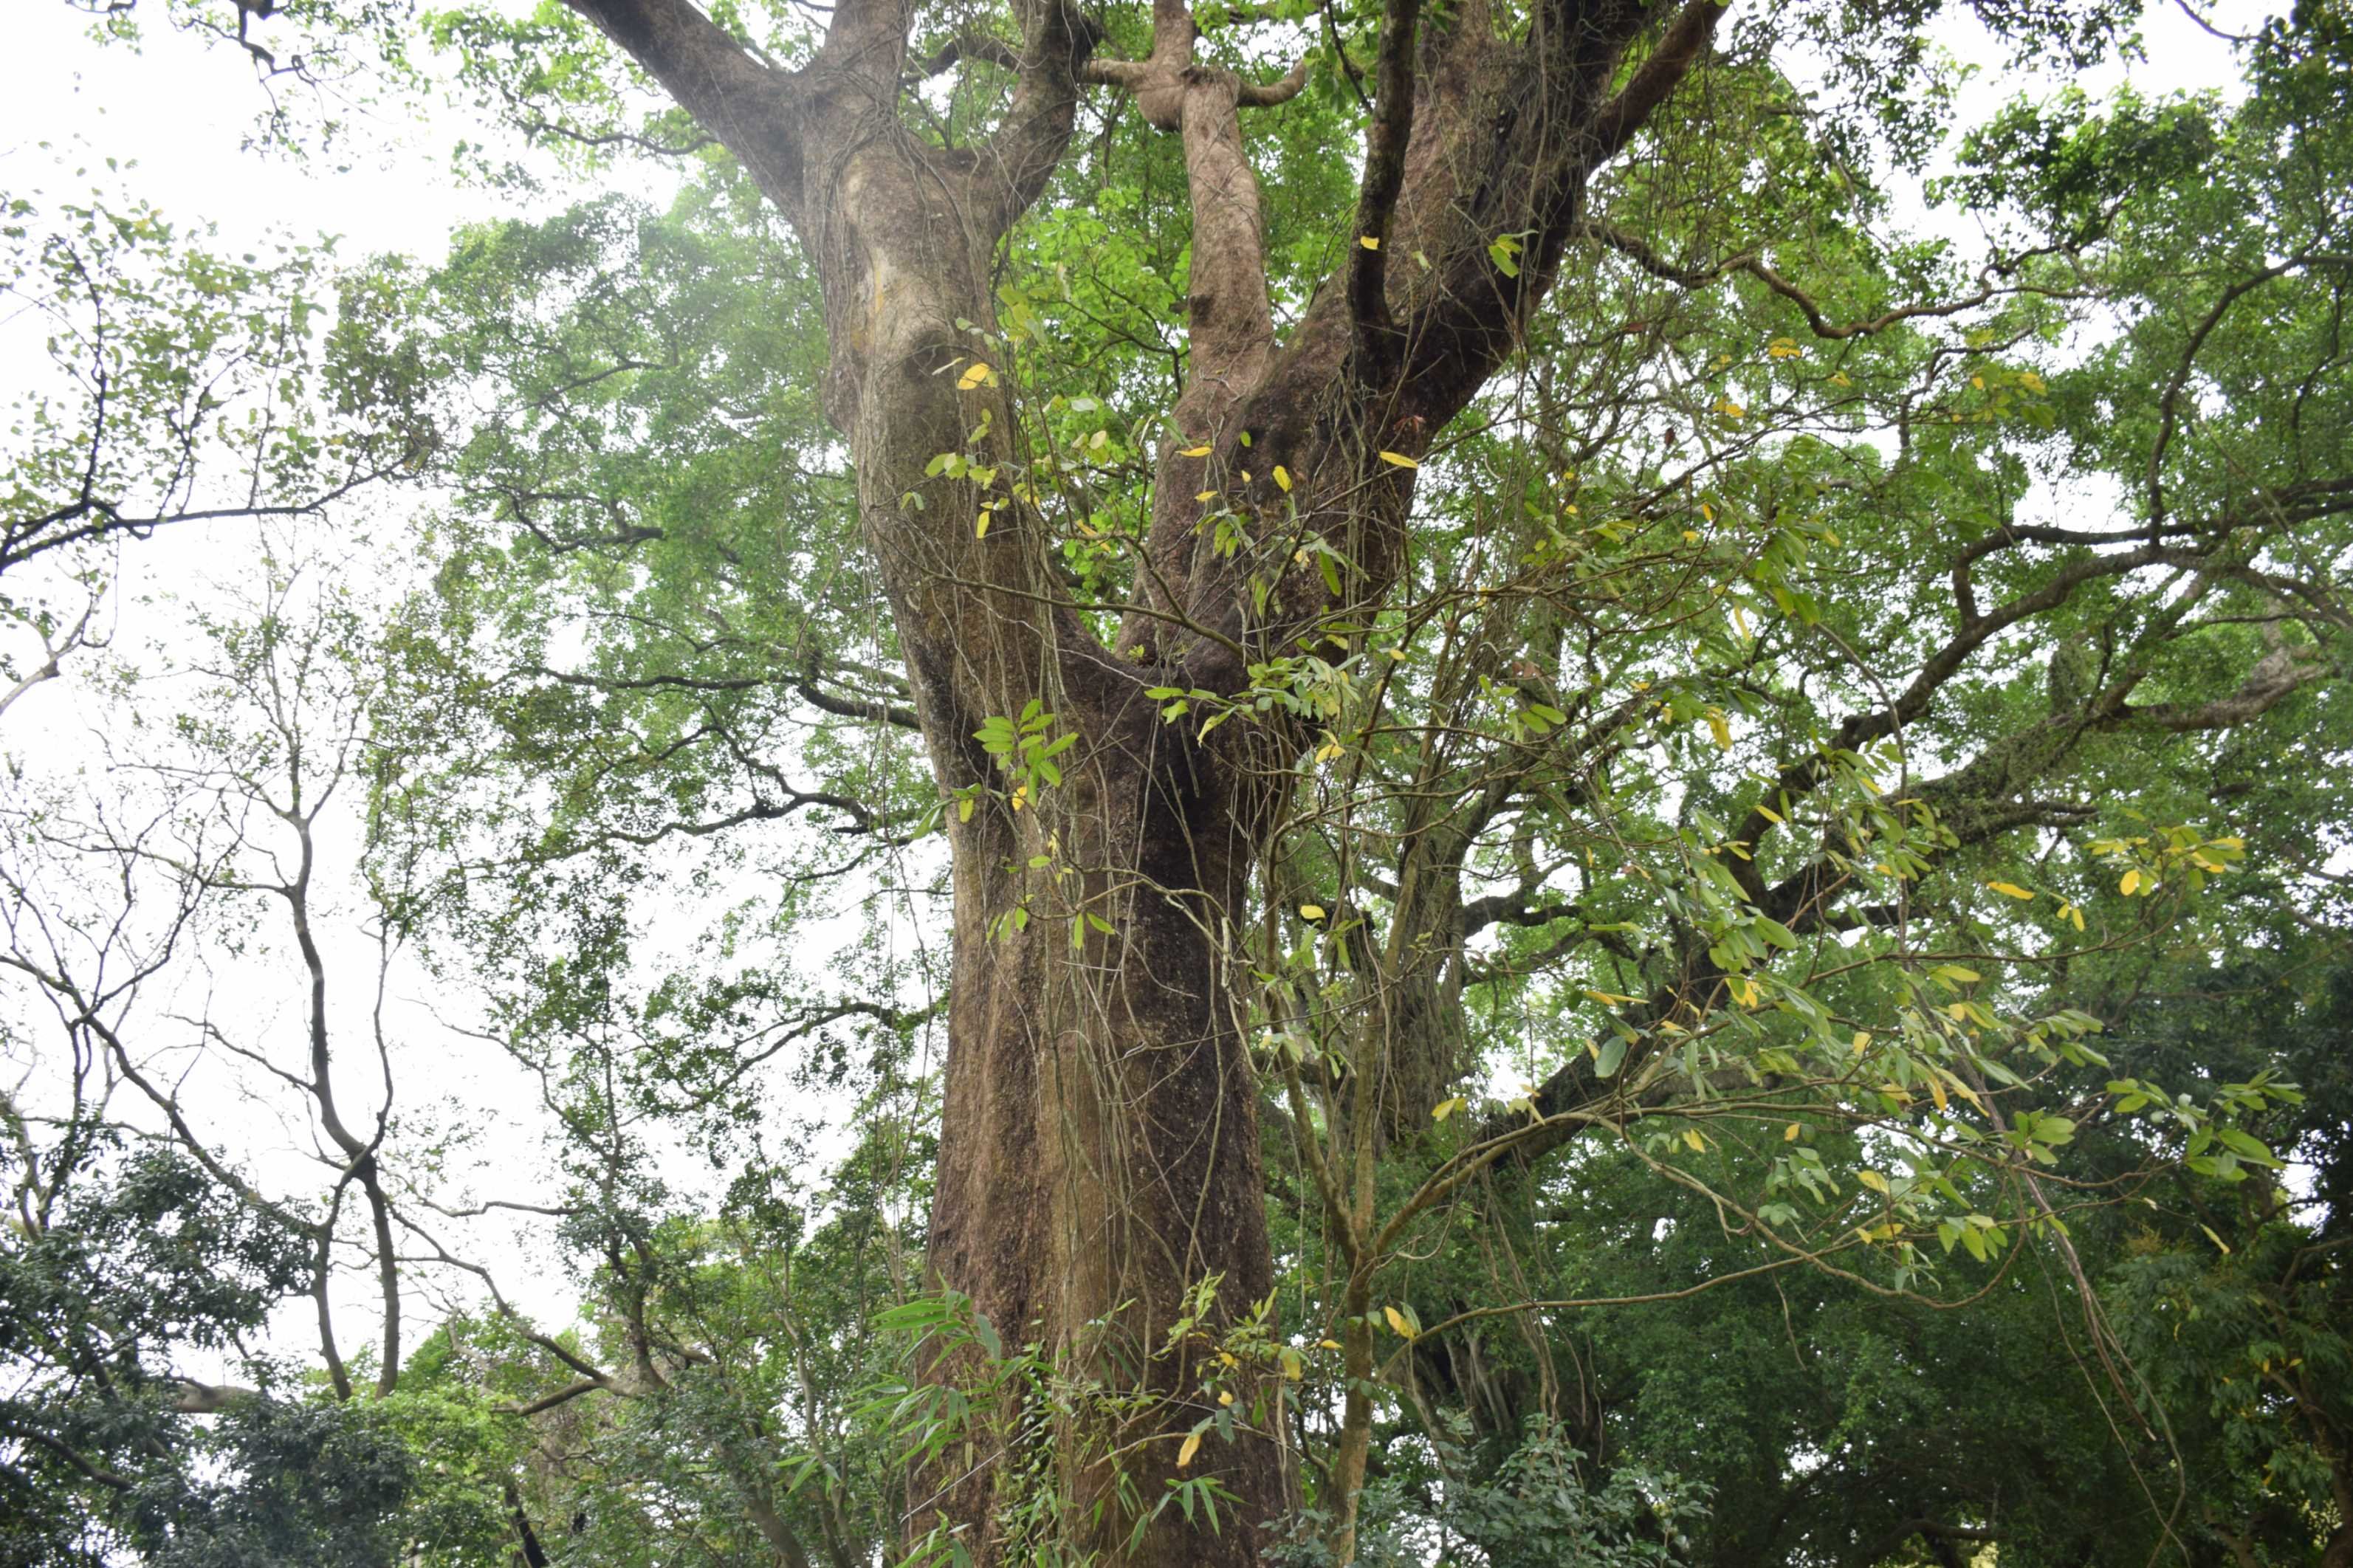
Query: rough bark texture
(1099,1151)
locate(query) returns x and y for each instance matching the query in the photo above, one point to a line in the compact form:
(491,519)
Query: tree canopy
(1438,782)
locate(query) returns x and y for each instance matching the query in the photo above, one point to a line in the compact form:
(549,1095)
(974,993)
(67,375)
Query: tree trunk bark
(1099,1147)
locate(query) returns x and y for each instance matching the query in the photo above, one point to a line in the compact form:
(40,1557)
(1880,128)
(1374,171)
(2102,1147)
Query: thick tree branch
(985,47)
(1281,90)
(1059,38)
(1679,49)
(1386,140)
(747,105)
(866,49)
(1533,125)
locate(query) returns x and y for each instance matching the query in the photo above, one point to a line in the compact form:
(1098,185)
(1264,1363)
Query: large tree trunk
(1098,1154)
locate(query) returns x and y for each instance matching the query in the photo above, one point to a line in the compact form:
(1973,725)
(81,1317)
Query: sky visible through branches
(178,129)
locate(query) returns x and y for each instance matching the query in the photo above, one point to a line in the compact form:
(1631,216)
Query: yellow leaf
(2216,1239)
(1332,751)
(1398,1323)
(1368,242)
(1842,379)
(2077,916)
(1871,1179)
(1294,1366)
(1861,1041)
(1226,1397)
(1328,1344)
(1936,1093)
(1790,1133)
(980,526)
(1721,727)
(1226,1358)
(2131,882)
(1207,495)
(1698,1144)
(1020,797)
(977,374)
(1399,460)
(1192,1447)
(1194,452)
(1445,1108)
(1282,478)
(2010,889)
(1769,815)
(1311,911)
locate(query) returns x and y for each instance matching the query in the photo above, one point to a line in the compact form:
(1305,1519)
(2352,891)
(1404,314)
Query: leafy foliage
(1793,984)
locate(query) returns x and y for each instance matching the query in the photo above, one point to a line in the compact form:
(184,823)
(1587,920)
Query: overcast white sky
(177,116)
(183,110)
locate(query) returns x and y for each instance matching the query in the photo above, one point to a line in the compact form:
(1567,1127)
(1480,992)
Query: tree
(137,1243)
(1657,721)
(121,1260)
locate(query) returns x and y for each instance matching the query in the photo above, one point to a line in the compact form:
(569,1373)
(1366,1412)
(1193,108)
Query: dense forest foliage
(1487,783)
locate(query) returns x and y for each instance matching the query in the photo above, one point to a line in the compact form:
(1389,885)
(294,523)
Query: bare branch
(54,654)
